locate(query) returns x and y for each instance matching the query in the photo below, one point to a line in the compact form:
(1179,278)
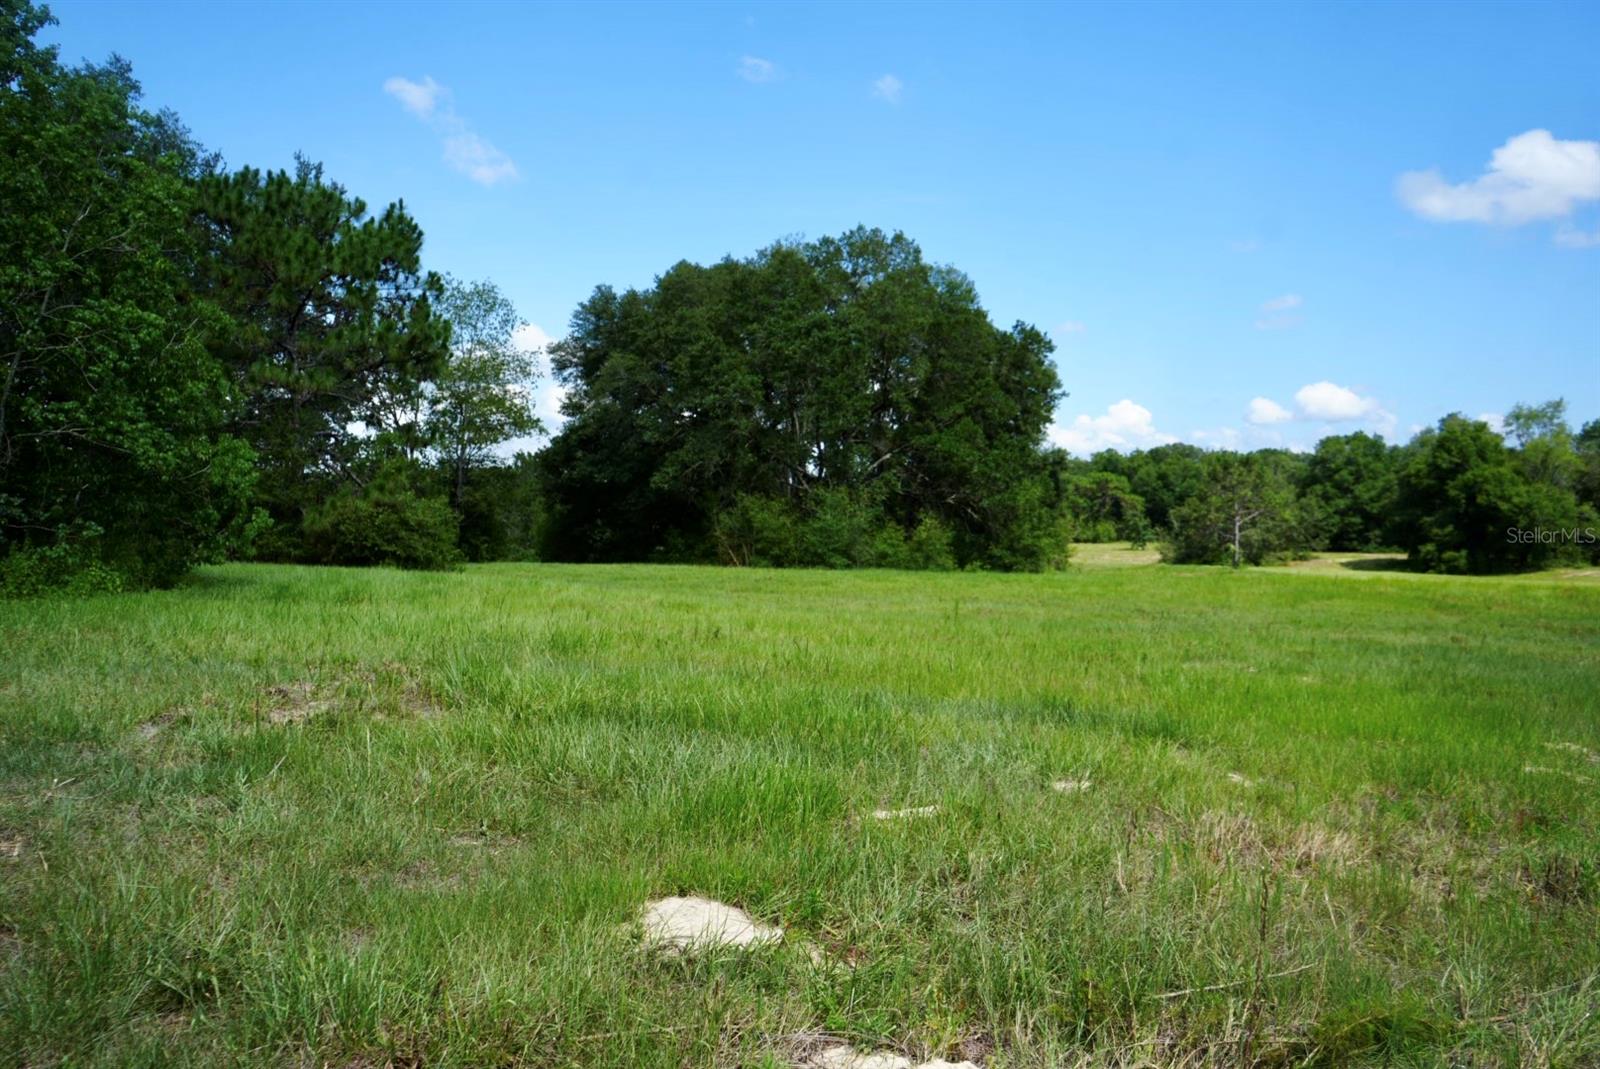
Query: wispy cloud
(464,150)
(1533,176)
(755,69)
(1070,326)
(1570,237)
(888,88)
(1279,312)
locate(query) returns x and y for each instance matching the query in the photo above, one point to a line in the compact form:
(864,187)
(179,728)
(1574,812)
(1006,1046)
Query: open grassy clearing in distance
(296,816)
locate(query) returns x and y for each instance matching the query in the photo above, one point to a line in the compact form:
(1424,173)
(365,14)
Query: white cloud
(547,392)
(1495,420)
(1332,403)
(419,98)
(477,159)
(1244,245)
(1276,314)
(1264,410)
(756,69)
(888,88)
(1070,326)
(1125,425)
(1532,176)
(1571,237)
(464,150)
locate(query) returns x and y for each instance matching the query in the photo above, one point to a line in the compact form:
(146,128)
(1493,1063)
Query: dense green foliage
(196,363)
(290,817)
(1244,512)
(326,307)
(384,522)
(1470,503)
(114,459)
(817,403)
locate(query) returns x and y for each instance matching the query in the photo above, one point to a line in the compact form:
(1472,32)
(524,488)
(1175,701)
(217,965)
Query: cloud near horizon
(1124,425)
(1263,411)
(464,150)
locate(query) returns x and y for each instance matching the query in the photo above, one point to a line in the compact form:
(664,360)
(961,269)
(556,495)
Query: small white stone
(902,814)
(1070,786)
(694,923)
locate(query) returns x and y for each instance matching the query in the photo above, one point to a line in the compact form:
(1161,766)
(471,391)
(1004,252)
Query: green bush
(70,565)
(931,546)
(387,524)
(838,529)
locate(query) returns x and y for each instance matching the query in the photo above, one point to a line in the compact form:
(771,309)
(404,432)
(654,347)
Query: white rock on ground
(695,923)
(1070,786)
(843,1057)
(901,814)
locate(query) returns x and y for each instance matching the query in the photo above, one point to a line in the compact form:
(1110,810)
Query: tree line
(200,363)
(1459,497)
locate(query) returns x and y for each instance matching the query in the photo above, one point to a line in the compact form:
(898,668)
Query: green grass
(302,817)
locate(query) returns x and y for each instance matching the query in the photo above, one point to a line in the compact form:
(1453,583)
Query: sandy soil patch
(695,923)
(297,702)
(844,1057)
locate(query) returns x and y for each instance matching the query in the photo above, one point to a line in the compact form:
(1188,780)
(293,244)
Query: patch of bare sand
(690,923)
(842,1056)
(297,702)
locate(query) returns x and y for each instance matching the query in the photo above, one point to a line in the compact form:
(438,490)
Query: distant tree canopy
(835,402)
(1459,497)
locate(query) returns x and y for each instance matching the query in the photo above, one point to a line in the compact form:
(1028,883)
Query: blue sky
(1242,224)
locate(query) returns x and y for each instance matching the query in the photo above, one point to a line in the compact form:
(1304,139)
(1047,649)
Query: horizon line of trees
(1458,497)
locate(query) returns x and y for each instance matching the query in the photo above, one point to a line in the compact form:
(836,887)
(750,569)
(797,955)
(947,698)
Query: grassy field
(303,817)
